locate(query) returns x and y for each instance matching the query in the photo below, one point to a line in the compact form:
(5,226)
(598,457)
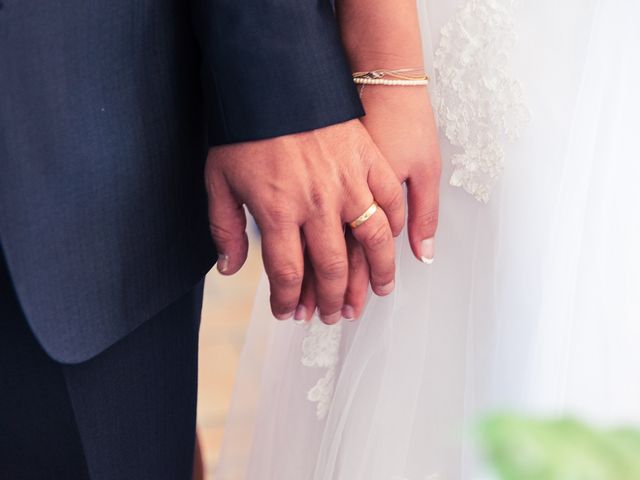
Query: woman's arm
(380,33)
(383,34)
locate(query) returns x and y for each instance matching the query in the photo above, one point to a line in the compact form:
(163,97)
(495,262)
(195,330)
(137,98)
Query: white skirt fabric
(533,302)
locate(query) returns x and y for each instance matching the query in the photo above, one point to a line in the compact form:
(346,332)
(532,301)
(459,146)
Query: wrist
(381,98)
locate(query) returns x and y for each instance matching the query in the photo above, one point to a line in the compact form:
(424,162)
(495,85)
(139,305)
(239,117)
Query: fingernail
(284,316)
(386,289)
(301,314)
(348,312)
(223,263)
(427,248)
(331,319)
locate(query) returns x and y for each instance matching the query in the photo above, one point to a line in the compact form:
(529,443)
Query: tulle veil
(532,304)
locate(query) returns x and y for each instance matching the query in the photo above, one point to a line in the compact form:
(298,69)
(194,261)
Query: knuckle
(427,220)
(332,270)
(347,184)
(396,199)
(318,199)
(287,278)
(380,238)
(272,215)
(222,233)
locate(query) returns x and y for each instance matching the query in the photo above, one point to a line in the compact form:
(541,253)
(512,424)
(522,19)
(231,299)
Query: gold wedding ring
(368,213)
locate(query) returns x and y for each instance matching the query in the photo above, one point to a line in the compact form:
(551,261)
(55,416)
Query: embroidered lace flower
(477,101)
(320,349)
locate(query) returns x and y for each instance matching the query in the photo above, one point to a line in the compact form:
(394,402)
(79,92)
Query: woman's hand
(401,123)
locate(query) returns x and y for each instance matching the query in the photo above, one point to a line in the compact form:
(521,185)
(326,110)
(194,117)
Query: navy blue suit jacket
(106,112)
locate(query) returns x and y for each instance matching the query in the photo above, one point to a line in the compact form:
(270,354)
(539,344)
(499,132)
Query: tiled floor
(226,311)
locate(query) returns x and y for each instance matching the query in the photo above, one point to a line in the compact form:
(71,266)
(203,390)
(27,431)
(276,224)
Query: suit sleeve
(272,67)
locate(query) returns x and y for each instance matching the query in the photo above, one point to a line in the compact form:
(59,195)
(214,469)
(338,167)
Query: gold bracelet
(400,77)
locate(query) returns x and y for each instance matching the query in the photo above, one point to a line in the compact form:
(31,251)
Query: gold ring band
(368,213)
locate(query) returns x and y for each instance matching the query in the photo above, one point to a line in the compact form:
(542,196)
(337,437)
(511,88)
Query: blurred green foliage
(521,448)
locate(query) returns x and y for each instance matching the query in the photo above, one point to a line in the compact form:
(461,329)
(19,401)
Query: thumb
(422,196)
(227,223)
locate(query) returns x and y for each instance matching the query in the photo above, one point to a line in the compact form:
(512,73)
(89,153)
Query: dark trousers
(128,413)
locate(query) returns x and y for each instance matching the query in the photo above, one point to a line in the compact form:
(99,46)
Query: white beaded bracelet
(383,81)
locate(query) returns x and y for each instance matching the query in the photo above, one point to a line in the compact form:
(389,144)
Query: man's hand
(305,187)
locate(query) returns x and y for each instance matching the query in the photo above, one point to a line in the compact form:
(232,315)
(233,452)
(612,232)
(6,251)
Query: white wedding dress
(533,302)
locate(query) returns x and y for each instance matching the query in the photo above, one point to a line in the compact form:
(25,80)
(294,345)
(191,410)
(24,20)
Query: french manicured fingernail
(386,289)
(301,314)
(331,319)
(427,248)
(348,312)
(223,263)
(284,316)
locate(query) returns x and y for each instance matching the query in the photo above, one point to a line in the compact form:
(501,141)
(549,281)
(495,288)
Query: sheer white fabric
(532,304)
(477,98)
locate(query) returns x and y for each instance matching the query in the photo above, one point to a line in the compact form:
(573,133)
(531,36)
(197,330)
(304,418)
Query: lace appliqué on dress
(477,100)
(320,349)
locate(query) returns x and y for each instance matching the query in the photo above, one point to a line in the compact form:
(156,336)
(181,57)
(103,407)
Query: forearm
(271,67)
(380,34)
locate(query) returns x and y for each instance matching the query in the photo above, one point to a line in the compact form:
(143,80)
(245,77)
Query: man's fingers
(358,285)
(227,223)
(284,264)
(328,255)
(377,240)
(387,191)
(423,214)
